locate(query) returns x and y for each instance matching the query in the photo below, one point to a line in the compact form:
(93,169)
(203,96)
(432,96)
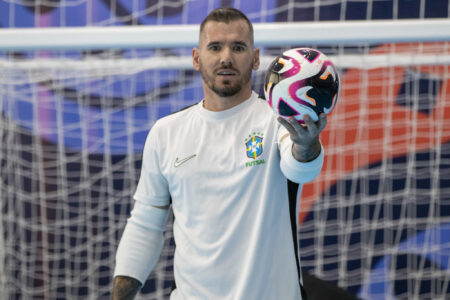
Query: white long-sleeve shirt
(225,174)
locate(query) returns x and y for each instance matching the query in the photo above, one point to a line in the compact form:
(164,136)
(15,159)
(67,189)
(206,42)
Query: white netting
(380,225)
(73,123)
(73,130)
(119,12)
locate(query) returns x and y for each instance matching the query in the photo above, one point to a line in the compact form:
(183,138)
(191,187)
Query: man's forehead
(235,30)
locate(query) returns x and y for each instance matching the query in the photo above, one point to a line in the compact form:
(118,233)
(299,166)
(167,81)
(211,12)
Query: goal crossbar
(266,34)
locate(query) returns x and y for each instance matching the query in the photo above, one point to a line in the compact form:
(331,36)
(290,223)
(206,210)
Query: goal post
(77,104)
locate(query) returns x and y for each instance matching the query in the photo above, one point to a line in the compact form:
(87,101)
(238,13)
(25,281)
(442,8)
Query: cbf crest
(254,145)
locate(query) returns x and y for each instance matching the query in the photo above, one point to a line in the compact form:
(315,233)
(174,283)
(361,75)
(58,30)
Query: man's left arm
(301,151)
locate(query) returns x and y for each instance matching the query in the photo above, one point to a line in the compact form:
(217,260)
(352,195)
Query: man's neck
(214,102)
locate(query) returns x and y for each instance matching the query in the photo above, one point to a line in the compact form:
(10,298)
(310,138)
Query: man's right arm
(125,288)
(143,237)
(139,248)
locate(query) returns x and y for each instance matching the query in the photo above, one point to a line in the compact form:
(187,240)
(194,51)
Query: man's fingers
(316,127)
(304,134)
(309,127)
(322,122)
(308,121)
(296,125)
(286,124)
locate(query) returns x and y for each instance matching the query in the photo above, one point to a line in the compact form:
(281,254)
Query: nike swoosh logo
(178,162)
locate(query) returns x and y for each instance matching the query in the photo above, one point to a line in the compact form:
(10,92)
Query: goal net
(77,104)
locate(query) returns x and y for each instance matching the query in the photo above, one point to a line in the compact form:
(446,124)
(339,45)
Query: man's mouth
(226,73)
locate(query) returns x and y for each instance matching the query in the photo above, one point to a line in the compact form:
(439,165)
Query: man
(223,165)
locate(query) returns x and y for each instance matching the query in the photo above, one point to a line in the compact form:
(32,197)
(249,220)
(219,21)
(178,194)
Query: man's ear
(195,59)
(256,61)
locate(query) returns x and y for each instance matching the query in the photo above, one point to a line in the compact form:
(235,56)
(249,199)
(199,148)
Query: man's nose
(226,59)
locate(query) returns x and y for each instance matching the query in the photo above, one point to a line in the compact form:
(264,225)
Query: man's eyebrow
(213,43)
(241,43)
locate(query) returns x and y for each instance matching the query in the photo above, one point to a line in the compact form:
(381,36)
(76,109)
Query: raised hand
(305,137)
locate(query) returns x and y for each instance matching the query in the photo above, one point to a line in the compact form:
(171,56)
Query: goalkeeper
(232,173)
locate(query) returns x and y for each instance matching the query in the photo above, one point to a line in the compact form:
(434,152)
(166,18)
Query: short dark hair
(227,15)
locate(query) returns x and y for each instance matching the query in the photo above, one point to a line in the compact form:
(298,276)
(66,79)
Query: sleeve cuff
(300,172)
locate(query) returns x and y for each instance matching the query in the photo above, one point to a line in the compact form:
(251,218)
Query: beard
(227,88)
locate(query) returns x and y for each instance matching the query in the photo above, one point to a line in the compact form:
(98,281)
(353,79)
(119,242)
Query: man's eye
(238,48)
(214,48)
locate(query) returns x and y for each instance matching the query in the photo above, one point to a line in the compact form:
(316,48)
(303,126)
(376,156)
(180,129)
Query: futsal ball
(301,82)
